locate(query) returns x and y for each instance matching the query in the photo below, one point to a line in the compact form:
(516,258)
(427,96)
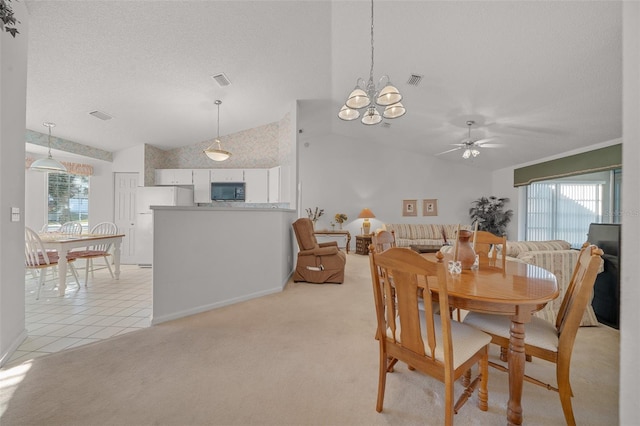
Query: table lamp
(366,214)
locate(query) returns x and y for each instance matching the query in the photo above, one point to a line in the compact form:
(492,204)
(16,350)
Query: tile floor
(105,308)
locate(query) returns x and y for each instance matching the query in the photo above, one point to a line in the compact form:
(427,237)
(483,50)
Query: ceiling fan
(471,146)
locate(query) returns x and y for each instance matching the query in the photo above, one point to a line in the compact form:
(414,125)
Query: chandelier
(217,154)
(48,164)
(370,95)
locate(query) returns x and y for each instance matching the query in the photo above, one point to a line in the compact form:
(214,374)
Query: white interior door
(124,204)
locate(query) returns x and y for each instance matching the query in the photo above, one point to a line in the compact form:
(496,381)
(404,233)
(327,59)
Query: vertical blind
(562,210)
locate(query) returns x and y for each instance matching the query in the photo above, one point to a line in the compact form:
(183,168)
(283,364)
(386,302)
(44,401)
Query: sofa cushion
(515,248)
(426,232)
(401,230)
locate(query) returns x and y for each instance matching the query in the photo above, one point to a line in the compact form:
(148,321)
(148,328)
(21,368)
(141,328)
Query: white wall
(630,270)
(343,175)
(13,93)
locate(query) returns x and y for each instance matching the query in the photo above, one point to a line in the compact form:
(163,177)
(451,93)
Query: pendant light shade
(217,153)
(48,164)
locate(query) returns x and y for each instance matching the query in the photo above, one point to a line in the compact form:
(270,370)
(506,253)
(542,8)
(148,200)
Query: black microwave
(227,191)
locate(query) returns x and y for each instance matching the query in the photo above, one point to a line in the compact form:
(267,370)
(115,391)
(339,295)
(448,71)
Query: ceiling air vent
(101,115)
(221,79)
(414,79)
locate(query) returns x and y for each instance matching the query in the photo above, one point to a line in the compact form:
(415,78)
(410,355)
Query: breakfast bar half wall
(208,257)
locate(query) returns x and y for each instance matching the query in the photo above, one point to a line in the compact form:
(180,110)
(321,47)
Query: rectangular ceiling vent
(221,79)
(414,79)
(101,115)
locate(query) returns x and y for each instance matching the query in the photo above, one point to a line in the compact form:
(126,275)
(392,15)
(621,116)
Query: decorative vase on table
(466,254)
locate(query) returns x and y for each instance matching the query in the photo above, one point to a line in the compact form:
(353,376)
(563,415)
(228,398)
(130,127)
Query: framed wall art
(430,207)
(409,207)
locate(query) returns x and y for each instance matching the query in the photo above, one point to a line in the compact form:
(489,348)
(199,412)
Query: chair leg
(564,390)
(382,379)
(86,271)
(106,260)
(40,283)
(75,274)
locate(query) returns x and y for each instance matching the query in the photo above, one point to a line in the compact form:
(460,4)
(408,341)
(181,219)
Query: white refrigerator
(147,196)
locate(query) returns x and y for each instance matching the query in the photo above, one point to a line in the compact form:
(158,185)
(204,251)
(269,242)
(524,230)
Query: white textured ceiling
(544,77)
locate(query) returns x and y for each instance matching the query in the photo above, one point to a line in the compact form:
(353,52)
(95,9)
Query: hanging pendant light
(217,154)
(48,164)
(369,95)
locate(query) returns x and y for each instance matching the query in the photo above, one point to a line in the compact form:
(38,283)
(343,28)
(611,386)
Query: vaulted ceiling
(539,77)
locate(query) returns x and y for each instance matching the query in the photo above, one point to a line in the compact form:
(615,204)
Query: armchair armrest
(322,251)
(329,244)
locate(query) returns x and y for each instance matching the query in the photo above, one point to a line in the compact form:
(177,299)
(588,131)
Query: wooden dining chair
(97,251)
(383,240)
(36,258)
(424,340)
(544,340)
(487,246)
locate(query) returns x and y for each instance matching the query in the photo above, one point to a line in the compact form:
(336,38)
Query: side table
(339,233)
(362,244)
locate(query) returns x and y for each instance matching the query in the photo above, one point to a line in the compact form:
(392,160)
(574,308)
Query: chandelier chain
(371,71)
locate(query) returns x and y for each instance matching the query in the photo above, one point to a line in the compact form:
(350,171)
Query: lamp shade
(388,95)
(394,111)
(366,214)
(372,116)
(358,99)
(48,165)
(348,114)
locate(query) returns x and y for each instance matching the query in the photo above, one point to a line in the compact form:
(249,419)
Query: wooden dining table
(64,243)
(517,291)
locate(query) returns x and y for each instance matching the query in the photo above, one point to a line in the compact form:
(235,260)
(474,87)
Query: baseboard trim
(5,356)
(211,306)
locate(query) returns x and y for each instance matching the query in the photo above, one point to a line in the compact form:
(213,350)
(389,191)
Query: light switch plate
(15,214)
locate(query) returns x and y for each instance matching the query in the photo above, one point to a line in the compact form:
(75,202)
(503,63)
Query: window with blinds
(68,199)
(563,209)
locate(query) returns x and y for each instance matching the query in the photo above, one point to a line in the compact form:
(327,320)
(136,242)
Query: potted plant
(490,215)
(340,219)
(7,20)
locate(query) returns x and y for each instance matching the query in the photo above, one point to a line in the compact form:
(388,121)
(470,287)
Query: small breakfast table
(517,291)
(63,243)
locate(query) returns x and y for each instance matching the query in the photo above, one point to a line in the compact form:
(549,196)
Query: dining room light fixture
(217,153)
(370,95)
(48,164)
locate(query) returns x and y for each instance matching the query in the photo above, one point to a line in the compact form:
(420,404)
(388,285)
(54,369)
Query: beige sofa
(557,257)
(423,234)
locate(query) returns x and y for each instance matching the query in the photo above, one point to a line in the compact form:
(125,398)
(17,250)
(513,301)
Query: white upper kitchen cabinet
(227,175)
(201,185)
(274,184)
(257,188)
(174,177)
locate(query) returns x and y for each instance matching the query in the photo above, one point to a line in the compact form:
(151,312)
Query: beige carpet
(306,356)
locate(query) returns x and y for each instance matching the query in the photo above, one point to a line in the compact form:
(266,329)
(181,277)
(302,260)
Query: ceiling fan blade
(491,145)
(450,150)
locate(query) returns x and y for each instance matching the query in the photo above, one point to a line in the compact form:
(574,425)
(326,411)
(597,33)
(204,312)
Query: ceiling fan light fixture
(475,152)
(348,114)
(217,153)
(466,154)
(48,164)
